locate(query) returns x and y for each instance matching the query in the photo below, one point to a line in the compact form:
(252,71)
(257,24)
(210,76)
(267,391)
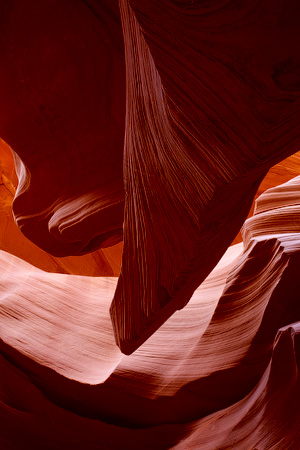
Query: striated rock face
(62,111)
(212,103)
(102,262)
(220,373)
(196,345)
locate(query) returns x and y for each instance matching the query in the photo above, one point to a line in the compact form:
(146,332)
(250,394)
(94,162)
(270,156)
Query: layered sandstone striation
(212,103)
(101,262)
(196,344)
(62,93)
(222,372)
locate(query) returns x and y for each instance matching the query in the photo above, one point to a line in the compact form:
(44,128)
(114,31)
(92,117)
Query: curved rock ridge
(277,175)
(267,417)
(102,262)
(220,373)
(62,90)
(246,295)
(212,103)
(205,119)
(62,321)
(273,208)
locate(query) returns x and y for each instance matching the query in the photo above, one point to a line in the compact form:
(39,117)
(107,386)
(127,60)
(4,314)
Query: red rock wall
(212,103)
(222,372)
(62,112)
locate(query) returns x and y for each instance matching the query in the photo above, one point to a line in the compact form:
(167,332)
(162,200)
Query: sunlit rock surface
(212,103)
(220,373)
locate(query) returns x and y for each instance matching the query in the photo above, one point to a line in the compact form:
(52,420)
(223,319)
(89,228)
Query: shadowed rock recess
(136,138)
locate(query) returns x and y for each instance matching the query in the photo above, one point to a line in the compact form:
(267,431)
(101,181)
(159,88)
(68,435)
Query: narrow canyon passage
(149,225)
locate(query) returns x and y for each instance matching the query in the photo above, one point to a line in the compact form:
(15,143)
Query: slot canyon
(149,225)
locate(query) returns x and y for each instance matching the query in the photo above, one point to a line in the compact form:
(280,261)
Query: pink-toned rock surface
(212,103)
(220,373)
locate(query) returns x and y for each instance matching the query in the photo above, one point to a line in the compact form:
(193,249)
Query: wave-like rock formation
(212,103)
(196,345)
(101,262)
(104,261)
(220,373)
(62,93)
